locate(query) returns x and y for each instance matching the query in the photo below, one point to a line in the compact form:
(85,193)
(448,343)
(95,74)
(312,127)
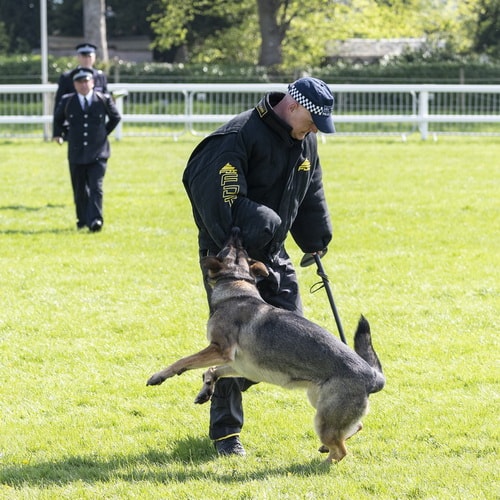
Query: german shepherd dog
(252,339)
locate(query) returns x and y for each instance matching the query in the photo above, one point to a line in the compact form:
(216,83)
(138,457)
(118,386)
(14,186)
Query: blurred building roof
(133,48)
(368,50)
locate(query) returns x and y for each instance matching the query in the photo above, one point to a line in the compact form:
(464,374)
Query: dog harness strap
(205,252)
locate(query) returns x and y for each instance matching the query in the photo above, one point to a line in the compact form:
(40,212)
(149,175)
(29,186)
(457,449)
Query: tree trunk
(271,32)
(94,26)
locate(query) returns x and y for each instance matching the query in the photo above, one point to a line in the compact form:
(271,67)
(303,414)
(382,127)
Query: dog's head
(233,262)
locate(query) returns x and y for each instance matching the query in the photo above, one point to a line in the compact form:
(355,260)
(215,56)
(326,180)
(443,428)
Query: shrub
(27,69)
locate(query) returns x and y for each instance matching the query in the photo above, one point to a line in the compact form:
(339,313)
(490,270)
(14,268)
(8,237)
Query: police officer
(85,118)
(261,171)
(86,55)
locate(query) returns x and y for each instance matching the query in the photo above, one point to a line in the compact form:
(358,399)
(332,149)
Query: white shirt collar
(88,97)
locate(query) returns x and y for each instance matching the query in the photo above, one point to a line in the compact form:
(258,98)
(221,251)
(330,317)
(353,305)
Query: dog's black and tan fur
(252,339)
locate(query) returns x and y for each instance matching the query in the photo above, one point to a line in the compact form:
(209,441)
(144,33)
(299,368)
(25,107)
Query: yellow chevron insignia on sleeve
(227,168)
(229,183)
(305,166)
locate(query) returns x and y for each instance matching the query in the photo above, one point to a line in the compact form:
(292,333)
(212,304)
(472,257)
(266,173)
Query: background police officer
(85,118)
(86,55)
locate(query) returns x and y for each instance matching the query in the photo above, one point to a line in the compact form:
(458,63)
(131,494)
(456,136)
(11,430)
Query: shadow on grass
(180,465)
(24,208)
(30,232)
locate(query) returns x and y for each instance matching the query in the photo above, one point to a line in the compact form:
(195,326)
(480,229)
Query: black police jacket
(252,174)
(65,84)
(86,132)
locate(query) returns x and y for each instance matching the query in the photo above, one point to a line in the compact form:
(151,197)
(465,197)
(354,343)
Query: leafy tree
(219,30)
(188,25)
(22,25)
(122,18)
(129,18)
(65,17)
(276,19)
(487,34)
(296,33)
(4,38)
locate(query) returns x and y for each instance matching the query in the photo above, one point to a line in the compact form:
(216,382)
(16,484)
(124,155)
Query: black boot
(226,415)
(230,446)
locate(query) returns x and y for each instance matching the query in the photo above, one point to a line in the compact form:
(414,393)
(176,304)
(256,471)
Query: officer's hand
(321,253)
(309,258)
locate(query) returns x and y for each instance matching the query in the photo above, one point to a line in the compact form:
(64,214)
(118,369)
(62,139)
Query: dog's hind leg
(334,439)
(338,416)
(210,377)
(336,448)
(211,355)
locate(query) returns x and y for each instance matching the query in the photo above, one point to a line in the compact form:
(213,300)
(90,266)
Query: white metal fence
(176,109)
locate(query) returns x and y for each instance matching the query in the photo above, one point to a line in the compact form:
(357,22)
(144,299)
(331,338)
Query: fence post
(118,96)
(423,113)
(48,109)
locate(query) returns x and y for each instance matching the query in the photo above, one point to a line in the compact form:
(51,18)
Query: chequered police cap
(316,109)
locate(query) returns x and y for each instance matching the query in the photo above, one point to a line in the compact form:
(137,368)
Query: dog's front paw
(156,379)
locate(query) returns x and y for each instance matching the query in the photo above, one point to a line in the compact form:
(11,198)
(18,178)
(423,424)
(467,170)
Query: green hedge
(27,69)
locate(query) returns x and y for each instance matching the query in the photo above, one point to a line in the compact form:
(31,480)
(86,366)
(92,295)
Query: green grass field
(85,319)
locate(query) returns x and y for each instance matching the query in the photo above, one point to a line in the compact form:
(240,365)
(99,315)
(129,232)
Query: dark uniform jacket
(86,133)
(251,173)
(65,84)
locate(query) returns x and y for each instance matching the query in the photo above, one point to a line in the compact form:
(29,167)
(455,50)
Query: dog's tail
(364,348)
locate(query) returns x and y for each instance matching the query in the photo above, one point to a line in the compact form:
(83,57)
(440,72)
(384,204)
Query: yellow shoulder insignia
(261,109)
(305,166)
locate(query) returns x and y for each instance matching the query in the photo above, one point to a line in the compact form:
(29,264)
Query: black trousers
(280,289)
(87,183)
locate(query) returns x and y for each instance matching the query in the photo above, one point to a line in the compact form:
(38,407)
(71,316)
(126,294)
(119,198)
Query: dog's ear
(211,263)
(257,268)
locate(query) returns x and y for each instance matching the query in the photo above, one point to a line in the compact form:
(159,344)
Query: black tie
(85,105)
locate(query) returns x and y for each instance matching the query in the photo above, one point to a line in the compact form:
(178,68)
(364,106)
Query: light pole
(45,64)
